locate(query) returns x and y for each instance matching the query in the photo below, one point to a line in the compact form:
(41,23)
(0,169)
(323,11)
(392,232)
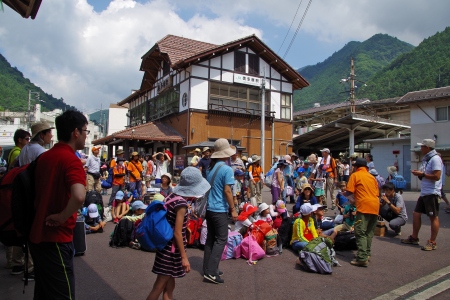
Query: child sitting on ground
(245,218)
(138,208)
(264,213)
(120,207)
(349,213)
(93,221)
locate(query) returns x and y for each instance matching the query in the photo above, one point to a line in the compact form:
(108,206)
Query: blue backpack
(107,184)
(155,232)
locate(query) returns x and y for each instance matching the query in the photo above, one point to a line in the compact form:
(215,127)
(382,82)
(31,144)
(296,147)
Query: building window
(236,99)
(285,106)
(239,61)
(442,113)
(253,64)
(166,68)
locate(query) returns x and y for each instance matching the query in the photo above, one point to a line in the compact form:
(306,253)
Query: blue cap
(138,205)
(301,170)
(119,195)
(238,172)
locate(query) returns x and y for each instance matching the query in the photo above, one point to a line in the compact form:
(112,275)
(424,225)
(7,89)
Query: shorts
(319,192)
(442,193)
(428,204)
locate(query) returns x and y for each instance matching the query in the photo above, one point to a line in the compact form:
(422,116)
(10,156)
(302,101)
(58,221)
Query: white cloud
(91,58)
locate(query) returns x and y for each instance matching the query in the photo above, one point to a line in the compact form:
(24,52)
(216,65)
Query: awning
(208,144)
(335,135)
(145,132)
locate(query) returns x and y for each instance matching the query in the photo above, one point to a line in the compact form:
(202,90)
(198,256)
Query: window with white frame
(285,106)
(442,113)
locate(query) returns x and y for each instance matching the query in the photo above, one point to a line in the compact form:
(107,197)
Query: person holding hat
(255,173)
(430,192)
(92,168)
(166,185)
(196,159)
(220,202)
(204,162)
(303,229)
(135,171)
(172,261)
(41,134)
(162,161)
(364,188)
(277,187)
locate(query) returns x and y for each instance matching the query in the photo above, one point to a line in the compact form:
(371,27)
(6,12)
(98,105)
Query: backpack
(277,222)
(121,235)
(285,231)
(250,250)
(318,256)
(270,243)
(96,198)
(399,182)
(107,184)
(259,230)
(155,232)
(234,240)
(345,240)
(268,178)
(193,228)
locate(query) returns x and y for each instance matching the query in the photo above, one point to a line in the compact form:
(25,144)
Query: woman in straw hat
(41,134)
(173,263)
(220,201)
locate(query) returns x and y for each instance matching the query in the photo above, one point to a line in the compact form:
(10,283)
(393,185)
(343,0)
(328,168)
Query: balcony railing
(168,109)
(236,110)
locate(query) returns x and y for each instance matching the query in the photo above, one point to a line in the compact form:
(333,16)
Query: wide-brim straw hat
(312,159)
(255,158)
(244,158)
(192,183)
(38,127)
(222,149)
(196,150)
(288,159)
(391,169)
(134,154)
(120,151)
(205,149)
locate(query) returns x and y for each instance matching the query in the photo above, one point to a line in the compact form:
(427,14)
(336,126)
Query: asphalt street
(396,271)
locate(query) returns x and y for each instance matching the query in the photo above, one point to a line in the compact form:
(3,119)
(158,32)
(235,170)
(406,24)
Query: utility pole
(29,105)
(352,87)
(263,117)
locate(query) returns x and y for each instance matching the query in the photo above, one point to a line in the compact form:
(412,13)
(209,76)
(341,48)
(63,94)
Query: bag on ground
(270,243)
(234,240)
(155,232)
(249,249)
(193,228)
(345,240)
(121,235)
(96,198)
(259,230)
(285,231)
(318,256)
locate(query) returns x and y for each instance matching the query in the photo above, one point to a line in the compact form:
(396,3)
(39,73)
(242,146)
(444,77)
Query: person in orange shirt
(135,171)
(255,172)
(119,172)
(364,188)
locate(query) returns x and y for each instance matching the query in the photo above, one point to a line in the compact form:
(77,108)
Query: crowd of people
(232,185)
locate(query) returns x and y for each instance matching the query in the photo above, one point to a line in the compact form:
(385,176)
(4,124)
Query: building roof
(431,94)
(25,8)
(208,144)
(180,52)
(144,132)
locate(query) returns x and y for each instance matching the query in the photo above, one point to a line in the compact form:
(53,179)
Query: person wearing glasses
(41,134)
(21,138)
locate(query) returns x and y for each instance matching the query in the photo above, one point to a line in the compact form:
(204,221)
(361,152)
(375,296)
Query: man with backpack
(61,181)
(328,164)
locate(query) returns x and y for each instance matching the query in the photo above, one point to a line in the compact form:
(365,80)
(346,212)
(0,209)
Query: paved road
(396,271)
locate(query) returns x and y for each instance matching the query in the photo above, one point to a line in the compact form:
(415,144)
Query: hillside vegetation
(14,89)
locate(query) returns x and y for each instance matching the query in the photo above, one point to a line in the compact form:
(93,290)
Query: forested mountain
(426,67)
(370,57)
(14,89)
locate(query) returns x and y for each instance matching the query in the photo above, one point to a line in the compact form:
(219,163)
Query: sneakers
(333,207)
(359,263)
(116,221)
(429,246)
(410,240)
(30,276)
(134,245)
(17,270)
(214,279)
(398,232)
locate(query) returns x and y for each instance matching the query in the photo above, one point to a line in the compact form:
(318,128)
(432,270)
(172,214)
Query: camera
(350,214)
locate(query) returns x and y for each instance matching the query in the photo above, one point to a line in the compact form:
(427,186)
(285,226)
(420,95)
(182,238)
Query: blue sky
(89,51)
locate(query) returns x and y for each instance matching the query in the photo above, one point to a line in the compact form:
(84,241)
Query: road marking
(432,291)
(416,285)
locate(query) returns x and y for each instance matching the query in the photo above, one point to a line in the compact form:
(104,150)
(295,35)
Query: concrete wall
(117,119)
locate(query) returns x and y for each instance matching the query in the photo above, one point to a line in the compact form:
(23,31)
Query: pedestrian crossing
(422,288)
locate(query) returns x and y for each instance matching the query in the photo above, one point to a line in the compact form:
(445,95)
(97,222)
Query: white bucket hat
(263,206)
(222,149)
(192,183)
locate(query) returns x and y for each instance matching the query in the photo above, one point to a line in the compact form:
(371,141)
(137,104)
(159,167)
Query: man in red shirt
(60,182)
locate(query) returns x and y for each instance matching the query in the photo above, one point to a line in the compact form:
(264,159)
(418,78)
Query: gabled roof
(431,94)
(144,132)
(180,52)
(25,8)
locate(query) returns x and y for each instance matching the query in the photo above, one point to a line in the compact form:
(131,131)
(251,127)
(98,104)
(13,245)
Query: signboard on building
(179,162)
(249,80)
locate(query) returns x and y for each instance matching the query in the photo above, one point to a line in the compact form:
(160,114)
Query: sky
(89,51)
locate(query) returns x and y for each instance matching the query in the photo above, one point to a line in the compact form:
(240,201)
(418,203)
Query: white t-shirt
(161,168)
(93,164)
(30,152)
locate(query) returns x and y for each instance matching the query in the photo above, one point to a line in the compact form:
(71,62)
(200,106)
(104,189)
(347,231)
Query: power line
(298,28)
(287,33)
